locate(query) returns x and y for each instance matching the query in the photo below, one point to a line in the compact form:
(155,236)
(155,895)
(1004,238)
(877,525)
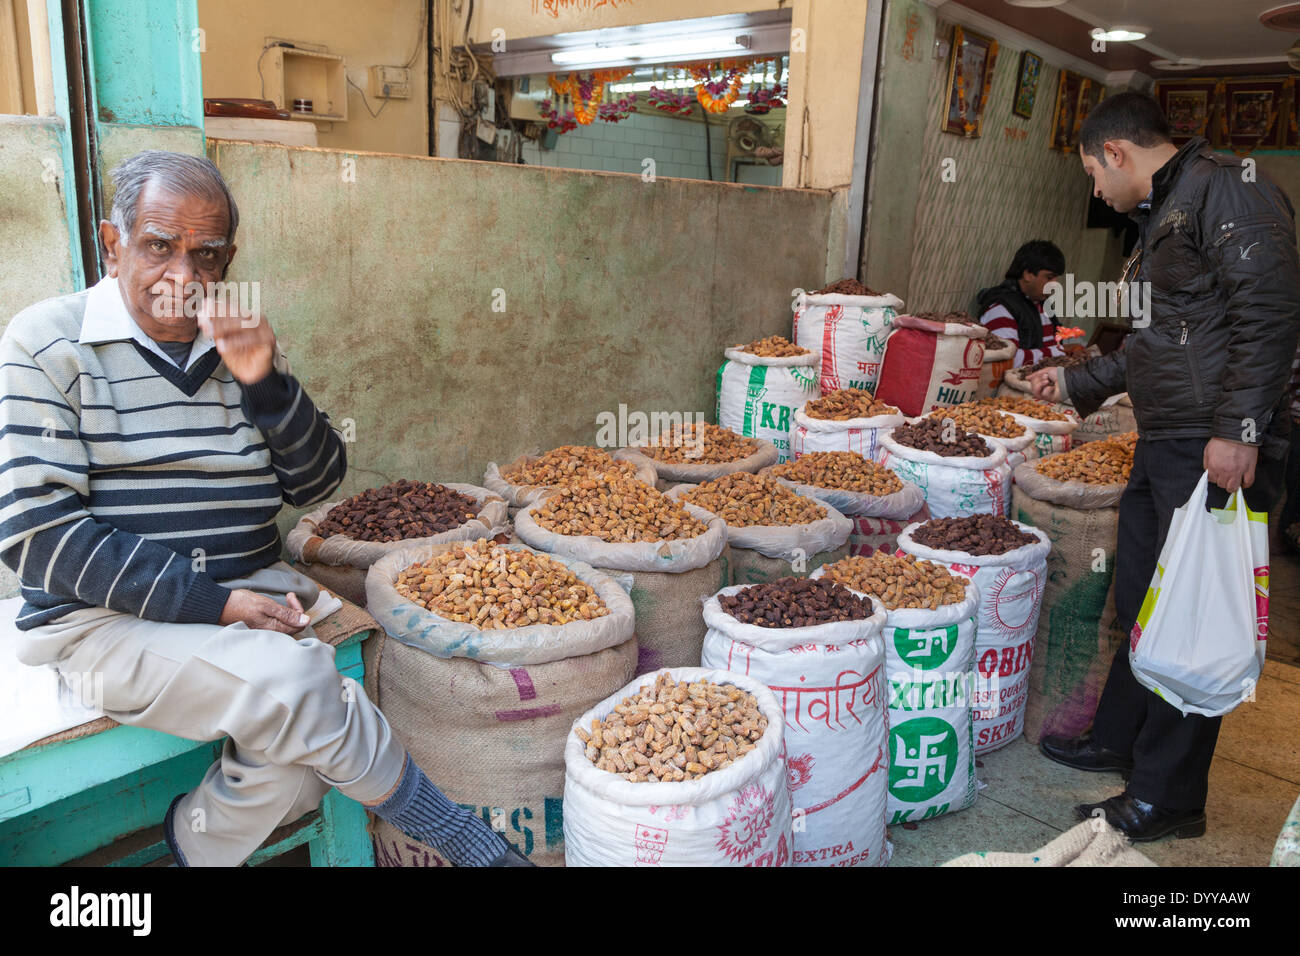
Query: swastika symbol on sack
(925,649)
(924,758)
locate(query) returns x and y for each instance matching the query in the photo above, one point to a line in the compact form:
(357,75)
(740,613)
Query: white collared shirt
(107,319)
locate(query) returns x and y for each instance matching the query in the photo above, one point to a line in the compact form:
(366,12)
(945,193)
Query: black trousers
(1171,753)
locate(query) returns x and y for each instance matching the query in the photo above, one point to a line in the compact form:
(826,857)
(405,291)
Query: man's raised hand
(244,340)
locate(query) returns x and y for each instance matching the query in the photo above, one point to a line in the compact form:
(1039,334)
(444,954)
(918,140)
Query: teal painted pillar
(59,72)
(144,62)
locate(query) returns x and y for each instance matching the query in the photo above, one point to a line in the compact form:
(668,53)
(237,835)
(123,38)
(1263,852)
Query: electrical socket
(388,82)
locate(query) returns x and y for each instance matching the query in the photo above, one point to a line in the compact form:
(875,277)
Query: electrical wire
(419,41)
(364,101)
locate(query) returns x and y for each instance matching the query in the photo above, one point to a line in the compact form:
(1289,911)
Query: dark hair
(1135,117)
(1035,256)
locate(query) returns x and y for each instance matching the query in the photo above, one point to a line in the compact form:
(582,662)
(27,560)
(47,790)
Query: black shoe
(169,832)
(1142,822)
(512,857)
(1082,753)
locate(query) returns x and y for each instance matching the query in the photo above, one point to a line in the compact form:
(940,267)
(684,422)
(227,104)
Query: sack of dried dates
(1052,424)
(489,653)
(929,636)
(823,658)
(699,452)
(338,542)
(1114,416)
(999,354)
(931,361)
(760,385)
(958,472)
(991,425)
(675,553)
(874,498)
(1077,629)
(849,419)
(848,323)
(530,478)
(682,767)
(1007,561)
(772,531)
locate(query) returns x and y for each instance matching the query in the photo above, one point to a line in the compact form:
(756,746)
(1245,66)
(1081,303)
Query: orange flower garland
(734,71)
(586,107)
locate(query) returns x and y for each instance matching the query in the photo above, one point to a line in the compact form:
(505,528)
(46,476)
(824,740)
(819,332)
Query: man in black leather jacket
(1207,371)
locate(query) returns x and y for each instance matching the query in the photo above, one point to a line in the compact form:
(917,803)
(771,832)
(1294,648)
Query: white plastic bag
(737,816)
(1199,639)
(830,680)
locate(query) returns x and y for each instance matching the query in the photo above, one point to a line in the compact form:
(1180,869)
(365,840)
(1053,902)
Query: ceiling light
(1036,3)
(1119,34)
(669,49)
(1182,63)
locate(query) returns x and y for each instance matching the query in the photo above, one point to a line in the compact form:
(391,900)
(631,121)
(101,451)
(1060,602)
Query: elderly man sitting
(145,450)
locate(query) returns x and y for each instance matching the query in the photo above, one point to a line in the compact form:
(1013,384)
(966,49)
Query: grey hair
(176,172)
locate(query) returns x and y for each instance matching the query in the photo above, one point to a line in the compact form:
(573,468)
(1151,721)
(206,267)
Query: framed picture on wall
(1090,94)
(1255,116)
(1031,66)
(1068,87)
(970,74)
(1189,106)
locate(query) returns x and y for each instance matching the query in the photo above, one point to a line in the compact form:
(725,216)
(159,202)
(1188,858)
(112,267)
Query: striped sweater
(130,484)
(1000,322)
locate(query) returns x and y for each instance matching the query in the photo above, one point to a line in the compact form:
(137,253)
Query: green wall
(614,290)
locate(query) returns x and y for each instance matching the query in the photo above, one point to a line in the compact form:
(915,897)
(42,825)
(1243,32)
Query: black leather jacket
(1220,253)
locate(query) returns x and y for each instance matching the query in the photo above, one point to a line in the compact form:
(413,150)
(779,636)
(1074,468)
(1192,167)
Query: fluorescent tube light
(673,48)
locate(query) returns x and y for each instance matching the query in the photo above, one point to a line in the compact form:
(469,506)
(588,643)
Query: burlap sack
(1113,418)
(521,496)
(1077,632)
(999,354)
(877,521)
(672,473)
(340,563)
(485,713)
(752,567)
(1091,843)
(666,581)
(491,738)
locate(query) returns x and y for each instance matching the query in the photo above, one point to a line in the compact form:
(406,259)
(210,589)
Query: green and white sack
(1011,595)
(667,580)
(955,487)
(758,396)
(737,816)
(930,666)
(830,681)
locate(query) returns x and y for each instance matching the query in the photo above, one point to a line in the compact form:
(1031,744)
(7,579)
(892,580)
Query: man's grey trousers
(296,727)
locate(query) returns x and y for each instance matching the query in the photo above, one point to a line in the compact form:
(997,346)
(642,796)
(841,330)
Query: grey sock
(423,812)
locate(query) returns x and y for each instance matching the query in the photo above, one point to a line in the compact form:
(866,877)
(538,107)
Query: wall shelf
(308,75)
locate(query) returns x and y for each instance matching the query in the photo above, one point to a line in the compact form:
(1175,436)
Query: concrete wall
(935,243)
(34,247)
(374,33)
(613,290)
